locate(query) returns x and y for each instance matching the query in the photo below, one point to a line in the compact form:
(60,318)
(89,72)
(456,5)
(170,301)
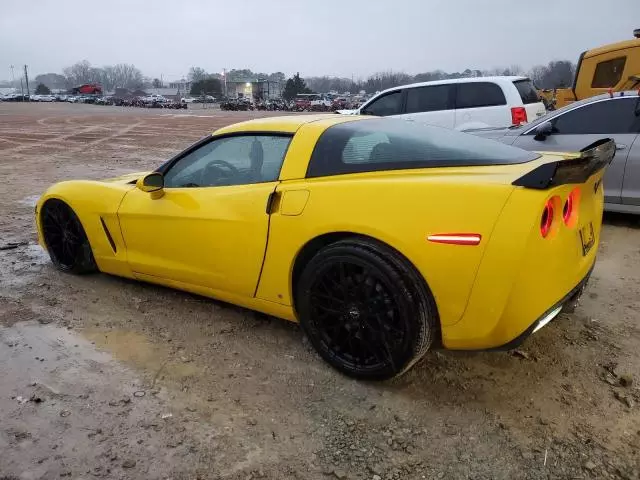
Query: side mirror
(153,182)
(543,131)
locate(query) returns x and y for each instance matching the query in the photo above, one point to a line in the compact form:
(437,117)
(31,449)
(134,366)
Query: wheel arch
(314,245)
(96,205)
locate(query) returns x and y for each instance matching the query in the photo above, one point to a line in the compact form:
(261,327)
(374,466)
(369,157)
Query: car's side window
(235,160)
(429,99)
(390,104)
(479,94)
(606,117)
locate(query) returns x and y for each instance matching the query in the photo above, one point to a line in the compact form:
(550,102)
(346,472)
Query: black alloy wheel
(364,309)
(65,238)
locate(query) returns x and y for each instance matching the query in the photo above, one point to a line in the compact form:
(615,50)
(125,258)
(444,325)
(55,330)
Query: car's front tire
(365,309)
(65,238)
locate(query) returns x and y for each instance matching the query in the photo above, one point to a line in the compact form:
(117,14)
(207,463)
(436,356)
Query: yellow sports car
(383,238)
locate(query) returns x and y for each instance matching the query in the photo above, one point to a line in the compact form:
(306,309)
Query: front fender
(96,205)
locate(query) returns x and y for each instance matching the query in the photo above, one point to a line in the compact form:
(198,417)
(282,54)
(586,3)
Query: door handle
(620,146)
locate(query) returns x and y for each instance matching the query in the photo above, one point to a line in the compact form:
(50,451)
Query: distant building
(252,88)
(172,93)
(182,86)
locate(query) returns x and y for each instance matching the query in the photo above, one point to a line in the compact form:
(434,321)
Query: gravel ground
(104,377)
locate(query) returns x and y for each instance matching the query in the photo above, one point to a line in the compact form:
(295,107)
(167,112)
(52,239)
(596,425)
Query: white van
(460,104)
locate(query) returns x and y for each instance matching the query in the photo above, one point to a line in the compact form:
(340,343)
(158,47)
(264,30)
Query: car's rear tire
(65,238)
(365,309)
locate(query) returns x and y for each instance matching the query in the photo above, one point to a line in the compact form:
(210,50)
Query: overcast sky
(315,37)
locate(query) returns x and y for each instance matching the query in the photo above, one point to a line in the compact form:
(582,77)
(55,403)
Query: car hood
(127,178)
(493,133)
(347,112)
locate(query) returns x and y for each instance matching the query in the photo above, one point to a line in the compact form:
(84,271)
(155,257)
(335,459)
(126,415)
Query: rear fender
(400,210)
(523,272)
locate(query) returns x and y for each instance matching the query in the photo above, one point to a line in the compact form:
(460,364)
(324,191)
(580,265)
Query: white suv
(461,104)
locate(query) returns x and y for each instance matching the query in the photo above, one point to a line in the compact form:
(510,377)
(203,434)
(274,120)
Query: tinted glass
(550,115)
(390,104)
(605,117)
(388,144)
(479,94)
(527,91)
(230,161)
(429,99)
(608,73)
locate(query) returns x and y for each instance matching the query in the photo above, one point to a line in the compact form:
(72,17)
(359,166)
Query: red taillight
(567,210)
(547,219)
(571,208)
(518,115)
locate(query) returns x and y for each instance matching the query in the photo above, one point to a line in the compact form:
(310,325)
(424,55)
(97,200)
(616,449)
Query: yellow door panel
(213,237)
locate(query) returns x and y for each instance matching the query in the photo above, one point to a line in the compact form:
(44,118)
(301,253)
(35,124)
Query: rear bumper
(567,303)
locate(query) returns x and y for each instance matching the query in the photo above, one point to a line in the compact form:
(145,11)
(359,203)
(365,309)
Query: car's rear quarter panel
(398,208)
(523,274)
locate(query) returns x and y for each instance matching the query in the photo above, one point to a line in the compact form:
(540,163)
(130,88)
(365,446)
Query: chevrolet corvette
(382,238)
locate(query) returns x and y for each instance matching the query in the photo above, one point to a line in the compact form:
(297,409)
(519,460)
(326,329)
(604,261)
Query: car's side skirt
(270,308)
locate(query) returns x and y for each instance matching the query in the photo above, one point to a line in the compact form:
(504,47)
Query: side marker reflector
(456,238)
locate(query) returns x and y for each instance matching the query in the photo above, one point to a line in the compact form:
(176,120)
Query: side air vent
(109,237)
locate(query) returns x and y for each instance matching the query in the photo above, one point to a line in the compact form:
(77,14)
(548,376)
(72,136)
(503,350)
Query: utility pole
(13,78)
(224,76)
(26,79)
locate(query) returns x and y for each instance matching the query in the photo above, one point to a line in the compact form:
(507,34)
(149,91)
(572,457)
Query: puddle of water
(135,349)
(25,343)
(19,266)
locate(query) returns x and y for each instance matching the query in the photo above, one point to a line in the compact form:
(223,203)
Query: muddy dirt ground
(103,377)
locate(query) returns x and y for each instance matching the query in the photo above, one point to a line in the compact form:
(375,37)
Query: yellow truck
(614,67)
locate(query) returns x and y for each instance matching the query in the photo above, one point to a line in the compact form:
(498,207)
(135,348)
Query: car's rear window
(527,91)
(393,144)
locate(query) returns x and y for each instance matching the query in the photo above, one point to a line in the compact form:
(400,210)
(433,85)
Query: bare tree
(79,73)
(127,76)
(557,74)
(196,74)
(52,80)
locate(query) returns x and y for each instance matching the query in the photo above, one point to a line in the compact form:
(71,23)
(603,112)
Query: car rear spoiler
(592,159)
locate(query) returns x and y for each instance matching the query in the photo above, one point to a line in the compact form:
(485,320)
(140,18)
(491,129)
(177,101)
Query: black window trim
(574,84)
(166,166)
(403,102)
(531,131)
